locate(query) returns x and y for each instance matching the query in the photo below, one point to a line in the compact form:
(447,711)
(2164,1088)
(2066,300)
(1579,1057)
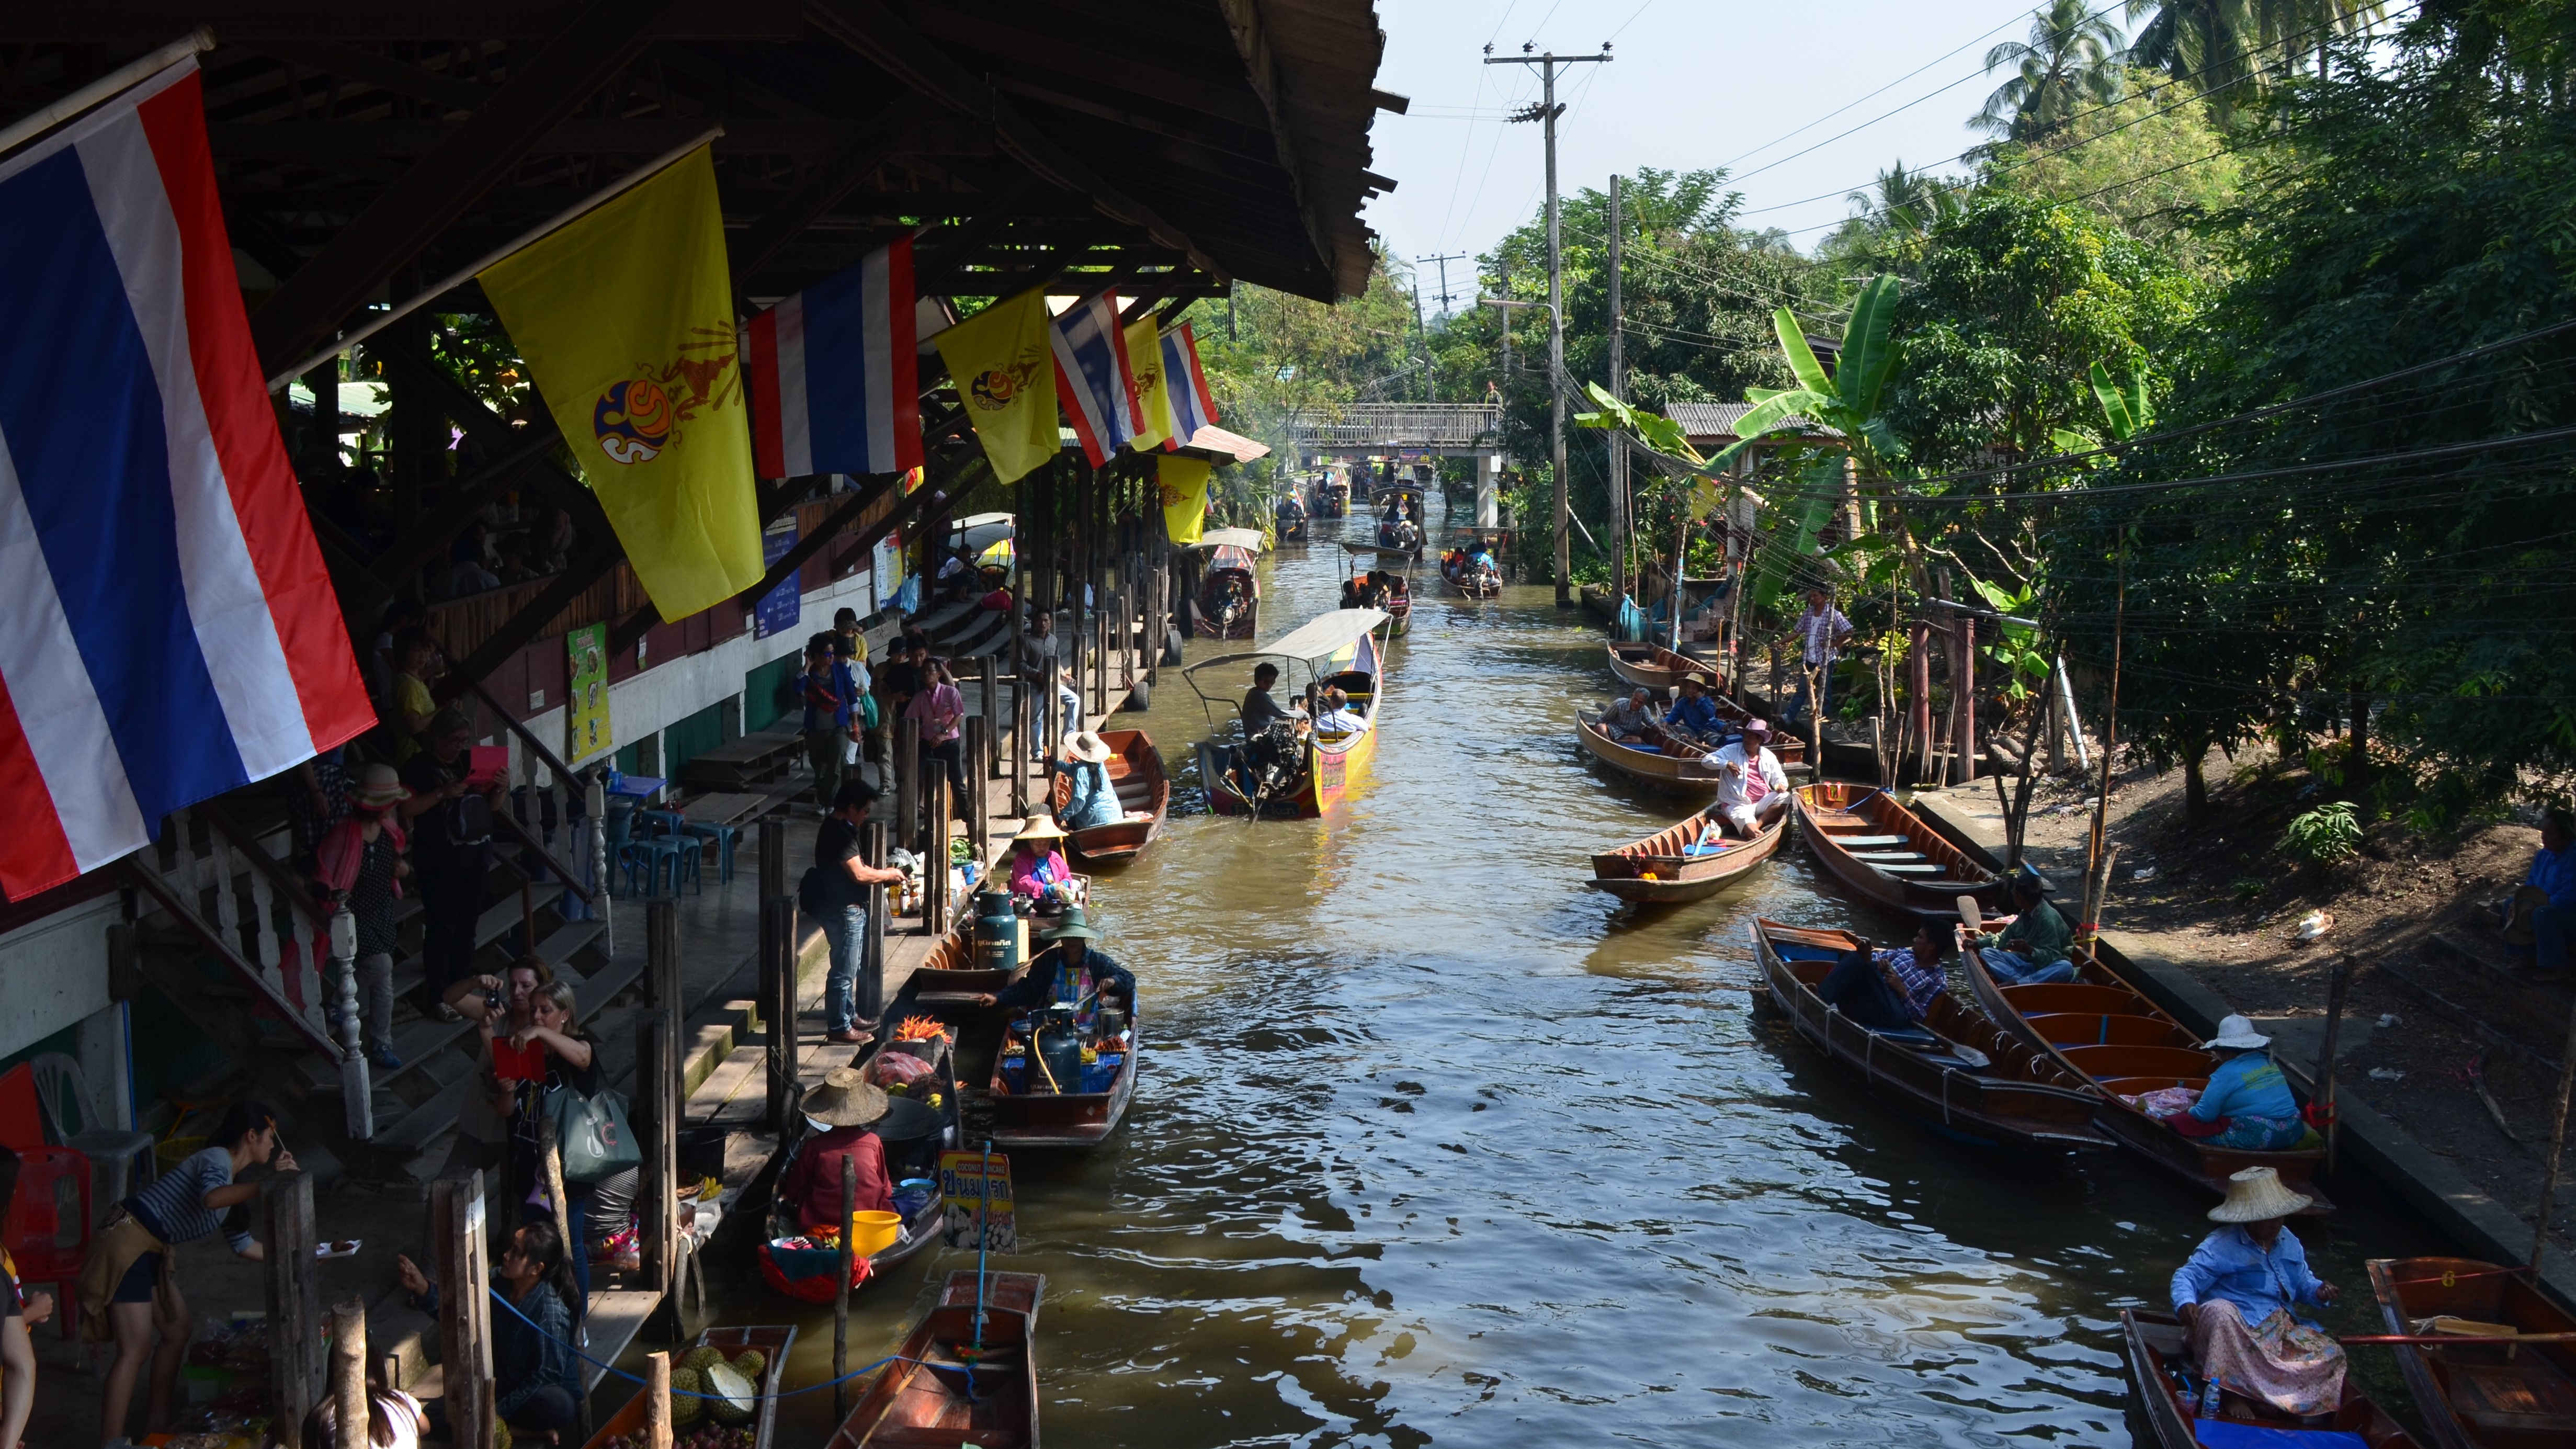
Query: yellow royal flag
(625,318)
(1145,358)
(1185,483)
(1006,377)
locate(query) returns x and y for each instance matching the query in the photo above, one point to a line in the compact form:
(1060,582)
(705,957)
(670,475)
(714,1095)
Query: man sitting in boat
(1481,565)
(1094,800)
(1630,717)
(2247,1104)
(1352,598)
(2032,947)
(1037,870)
(1452,561)
(1693,719)
(838,1115)
(1260,711)
(2235,1295)
(1887,990)
(1752,790)
(1337,717)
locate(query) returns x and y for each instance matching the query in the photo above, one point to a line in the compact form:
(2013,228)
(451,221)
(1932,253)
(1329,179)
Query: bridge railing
(1404,425)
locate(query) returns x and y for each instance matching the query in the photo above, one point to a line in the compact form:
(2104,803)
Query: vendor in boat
(1337,717)
(1094,800)
(1694,716)
(1060,972)
(1630,716)
(1752,789)
(1260,711)
(2236,1294)
(838,1116)
(2247,1104)
(2032,947)
(1887,990)
(1038,872)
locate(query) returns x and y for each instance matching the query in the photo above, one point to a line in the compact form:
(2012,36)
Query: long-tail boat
(2103,1030)
(772,1339)
(964,1375)
(1882,851)
(1660,764)
(1303,774)
(1685,862)
(1398,600)
(2167,1387)
(1652,666)
(2478,1388)
(1229,602)
(948,990)
(1144,793)
(1954,1073)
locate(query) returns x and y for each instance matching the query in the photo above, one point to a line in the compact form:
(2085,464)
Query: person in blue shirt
(1093,800)
(824,687)
(2236,1298)
(1694,713)
(2553,874)
(2247,1104)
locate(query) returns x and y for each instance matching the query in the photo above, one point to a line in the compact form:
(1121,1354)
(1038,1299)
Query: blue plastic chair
(672,844)
(724,836)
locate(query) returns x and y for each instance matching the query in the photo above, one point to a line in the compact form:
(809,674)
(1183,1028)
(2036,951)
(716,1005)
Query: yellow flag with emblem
(1185,483)
(625,319)
(1145,357)
(1006,377)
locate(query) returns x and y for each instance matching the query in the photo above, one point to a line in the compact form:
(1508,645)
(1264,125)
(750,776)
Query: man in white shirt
(1752,789)
(1337,716)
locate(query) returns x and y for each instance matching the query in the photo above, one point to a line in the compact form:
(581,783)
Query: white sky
(1694,83)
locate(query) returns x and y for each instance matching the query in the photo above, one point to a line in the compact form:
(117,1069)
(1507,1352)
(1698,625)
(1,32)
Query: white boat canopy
(1326,634)
(1249,540)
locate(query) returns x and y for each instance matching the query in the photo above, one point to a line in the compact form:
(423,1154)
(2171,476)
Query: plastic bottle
(2209,1398)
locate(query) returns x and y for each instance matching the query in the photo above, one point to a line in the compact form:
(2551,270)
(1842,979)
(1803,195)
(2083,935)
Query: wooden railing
(228,894)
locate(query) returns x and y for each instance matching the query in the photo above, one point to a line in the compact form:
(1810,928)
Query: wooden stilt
(463,1271)
(294,1296)
(349,1396)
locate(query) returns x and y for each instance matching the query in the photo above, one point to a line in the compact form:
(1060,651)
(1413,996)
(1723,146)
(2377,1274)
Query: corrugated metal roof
(1717,419)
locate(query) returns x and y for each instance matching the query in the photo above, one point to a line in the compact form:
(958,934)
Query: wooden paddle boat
(1398,600)
(1144,793)
(1660,764)
(1684,862)
(2479,1389)
(2101,1029)
(956,1380)
(1955,1073)
(1652,666)
(1882,852)
(2166,1388)
(771,1340)
(967,1066)
(1229,598)
(1302,772)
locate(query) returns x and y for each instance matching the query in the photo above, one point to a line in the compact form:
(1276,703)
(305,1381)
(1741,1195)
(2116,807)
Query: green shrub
(2247,888)
(2325,835)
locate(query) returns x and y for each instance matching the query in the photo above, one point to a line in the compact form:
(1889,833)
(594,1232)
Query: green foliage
(2327,835)
(2247,889)
(2152,165)
(2071,61)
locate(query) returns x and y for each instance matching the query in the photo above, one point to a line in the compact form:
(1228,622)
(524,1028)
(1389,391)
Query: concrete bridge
(1412,431)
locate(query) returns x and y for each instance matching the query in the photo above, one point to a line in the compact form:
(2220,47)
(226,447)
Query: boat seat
(1848,841)
(1912,1036)
(1893,868)
(1790,951)
(1888,855)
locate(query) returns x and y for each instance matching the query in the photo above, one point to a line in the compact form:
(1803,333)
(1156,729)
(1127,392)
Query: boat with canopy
(1229,600)
(1291,768)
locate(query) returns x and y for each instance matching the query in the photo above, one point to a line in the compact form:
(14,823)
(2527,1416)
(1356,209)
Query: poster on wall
(586,731)
(782,608)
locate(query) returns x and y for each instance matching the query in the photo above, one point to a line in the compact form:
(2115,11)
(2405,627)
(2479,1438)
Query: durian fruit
(739,1396)
(500,1432)
(697,1359)
(752,1364)
(686,1406)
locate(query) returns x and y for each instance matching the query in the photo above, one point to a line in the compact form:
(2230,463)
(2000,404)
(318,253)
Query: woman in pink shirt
(941,711)
(1038,871)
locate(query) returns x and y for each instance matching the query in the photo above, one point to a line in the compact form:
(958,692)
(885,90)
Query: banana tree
(2126,410)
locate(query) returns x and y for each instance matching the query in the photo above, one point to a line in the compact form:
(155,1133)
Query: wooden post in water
(870,996)
(656,1138)
(657,1400)
(979,779)
(2336,985)
(2557,1139)
(294,1295)
(1965,736)
(662,980)
(778,1004)
(841,1292)
(1918,688)
(349,1395)
(1021,702)
(934,860)
(907,780)
(992,680)
(463,1271)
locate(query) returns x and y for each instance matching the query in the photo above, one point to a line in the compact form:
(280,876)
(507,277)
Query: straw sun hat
(1040,827)
(2256,1194)
(845,1099)
(1089,748)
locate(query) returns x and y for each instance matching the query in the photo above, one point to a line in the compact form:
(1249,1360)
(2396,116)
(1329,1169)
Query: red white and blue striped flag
(1193,407)
(834,374)
(167,630)
(1093,379)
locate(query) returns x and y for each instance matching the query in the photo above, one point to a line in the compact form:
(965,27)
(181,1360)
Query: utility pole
(1422,335)
(1503,284)
(1443,264)
(1619,504)
(1546,112)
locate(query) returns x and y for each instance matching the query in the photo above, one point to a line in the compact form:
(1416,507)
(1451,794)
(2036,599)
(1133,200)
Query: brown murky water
(1436,1145)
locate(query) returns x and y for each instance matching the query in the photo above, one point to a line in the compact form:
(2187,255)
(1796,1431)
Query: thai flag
(834,374)
(1092,377)
(167,631)
(1193,407)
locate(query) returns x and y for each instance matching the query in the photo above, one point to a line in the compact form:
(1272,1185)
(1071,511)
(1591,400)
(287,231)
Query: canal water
(1433,1144)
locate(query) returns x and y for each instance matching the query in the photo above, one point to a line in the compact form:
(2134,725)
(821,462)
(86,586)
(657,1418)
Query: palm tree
(2228,49)
(2072,57)
(1904,202)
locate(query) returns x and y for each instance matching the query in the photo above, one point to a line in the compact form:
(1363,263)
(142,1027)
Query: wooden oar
(1971,917)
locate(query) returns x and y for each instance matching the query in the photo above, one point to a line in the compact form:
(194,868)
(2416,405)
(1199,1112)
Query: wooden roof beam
(348,62)
(402,222)
(871,29)
(151,22)
(1090,67)
(344,142)
(861,153)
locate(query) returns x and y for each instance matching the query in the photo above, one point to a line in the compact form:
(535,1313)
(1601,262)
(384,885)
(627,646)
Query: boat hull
(1070,1119)
(1654,871)
(1667,774)
(921,1399)
(1994,1106)
(1651,666)
(2480,1395)
(2153,1344)
(1136,772)
(1834,809)
(774,1340)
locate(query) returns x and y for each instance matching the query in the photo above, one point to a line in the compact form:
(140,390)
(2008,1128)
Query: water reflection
(1436,1145)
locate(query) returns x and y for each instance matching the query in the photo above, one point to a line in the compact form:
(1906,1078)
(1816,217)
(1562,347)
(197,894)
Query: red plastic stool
(47,1229)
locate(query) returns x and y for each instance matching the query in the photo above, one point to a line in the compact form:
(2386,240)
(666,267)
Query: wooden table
(722,809)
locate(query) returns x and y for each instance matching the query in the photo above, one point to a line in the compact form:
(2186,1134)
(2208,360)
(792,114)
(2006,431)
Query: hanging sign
(977,1189)
(586,731)
(782,608)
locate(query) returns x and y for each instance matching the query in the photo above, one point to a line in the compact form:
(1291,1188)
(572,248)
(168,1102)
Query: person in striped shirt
(129,1287)
(1888,990)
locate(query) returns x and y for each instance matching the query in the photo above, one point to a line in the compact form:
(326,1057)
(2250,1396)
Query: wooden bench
(748,760)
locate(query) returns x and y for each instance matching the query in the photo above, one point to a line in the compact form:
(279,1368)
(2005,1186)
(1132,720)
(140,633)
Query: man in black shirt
(1260,711)
(451,846)
(842,891)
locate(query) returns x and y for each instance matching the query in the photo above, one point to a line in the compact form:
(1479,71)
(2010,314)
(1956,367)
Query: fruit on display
(752,1364)
(738,1396)
(697,1359)
(706,1437)
(686,1406)
(500,1433)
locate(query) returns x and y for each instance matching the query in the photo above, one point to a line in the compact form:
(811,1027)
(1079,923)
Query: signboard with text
(782,608)
(965,1180)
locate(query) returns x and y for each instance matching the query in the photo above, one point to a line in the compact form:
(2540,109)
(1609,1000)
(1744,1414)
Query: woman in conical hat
(2236,1295)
